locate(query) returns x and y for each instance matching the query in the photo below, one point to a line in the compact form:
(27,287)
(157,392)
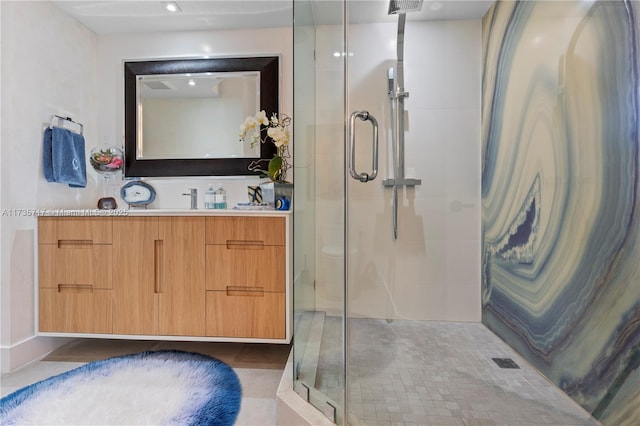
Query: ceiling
(131,16)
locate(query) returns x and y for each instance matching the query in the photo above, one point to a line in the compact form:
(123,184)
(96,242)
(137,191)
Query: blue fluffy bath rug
(149,388)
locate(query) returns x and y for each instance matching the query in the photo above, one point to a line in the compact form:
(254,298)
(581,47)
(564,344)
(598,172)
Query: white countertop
(158,212)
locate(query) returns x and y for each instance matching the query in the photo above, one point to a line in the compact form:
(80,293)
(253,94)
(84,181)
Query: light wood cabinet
(215,277)
(135,274)
(245,270)
(75,280)
(75,309)
(159,275)
(181,282)
(246,312)
(96,230)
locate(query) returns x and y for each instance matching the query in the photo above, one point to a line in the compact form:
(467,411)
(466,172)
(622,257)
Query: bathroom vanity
(166,274)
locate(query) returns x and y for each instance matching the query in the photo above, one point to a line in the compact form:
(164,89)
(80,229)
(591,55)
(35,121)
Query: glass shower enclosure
(412,128)
(376,92)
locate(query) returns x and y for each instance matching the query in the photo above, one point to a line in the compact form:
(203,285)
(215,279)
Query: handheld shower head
(404,6)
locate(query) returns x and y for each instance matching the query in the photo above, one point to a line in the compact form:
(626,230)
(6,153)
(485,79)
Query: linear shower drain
(505,362)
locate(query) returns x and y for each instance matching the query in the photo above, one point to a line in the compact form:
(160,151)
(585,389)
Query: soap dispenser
(220,198)
(209,198)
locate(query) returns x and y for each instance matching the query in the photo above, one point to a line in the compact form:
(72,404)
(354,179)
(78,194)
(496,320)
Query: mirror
(195,115)
(182,116)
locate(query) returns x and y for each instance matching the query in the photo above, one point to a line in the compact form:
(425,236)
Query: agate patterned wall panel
(560,194)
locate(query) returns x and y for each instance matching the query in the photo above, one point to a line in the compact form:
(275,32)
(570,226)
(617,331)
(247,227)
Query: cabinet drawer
(75,309)
(74,264)
(245,312)
(96,230)
(245,265)
(265,230)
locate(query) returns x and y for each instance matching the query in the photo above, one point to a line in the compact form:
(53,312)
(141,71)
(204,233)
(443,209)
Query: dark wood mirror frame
(269,100)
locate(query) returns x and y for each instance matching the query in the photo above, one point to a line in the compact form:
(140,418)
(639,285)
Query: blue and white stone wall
(560,195)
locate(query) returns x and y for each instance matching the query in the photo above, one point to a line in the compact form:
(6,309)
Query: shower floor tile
(437,373)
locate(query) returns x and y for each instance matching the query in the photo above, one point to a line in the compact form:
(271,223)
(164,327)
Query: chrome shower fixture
(397,94)
(404,6)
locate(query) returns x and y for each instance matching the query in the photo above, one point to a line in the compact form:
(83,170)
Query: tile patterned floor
(405,373)
(438,373)
(258,366)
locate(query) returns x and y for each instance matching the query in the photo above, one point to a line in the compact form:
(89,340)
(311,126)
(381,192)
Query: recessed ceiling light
(172,6)
(192,82)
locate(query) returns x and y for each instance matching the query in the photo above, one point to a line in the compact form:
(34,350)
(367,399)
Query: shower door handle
(364,116)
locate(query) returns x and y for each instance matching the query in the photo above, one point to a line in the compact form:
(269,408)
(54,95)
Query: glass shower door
(383,224)
(336,162)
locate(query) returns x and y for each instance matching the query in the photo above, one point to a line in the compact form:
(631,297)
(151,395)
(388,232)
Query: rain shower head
(404,6)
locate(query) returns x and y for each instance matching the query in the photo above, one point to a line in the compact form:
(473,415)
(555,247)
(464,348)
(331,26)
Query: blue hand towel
(63,157)
(46,155)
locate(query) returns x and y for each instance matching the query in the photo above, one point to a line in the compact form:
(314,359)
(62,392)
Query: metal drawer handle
(75,288)
(75,244)
(245,245)
(158,258)
(245,291)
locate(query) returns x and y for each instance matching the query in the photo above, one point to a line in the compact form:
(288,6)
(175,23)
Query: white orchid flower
(261,118)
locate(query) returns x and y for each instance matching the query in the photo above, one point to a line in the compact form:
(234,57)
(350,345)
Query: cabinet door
(72,308)
(74,262)
(136,253)
(246,265)
(181,285)
(246,312)
(91,230)
(228,229)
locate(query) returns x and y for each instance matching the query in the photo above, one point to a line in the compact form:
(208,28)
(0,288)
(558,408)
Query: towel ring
(59,117)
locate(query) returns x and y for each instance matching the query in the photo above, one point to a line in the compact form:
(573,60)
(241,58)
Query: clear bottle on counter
(210,198)
(220,198)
